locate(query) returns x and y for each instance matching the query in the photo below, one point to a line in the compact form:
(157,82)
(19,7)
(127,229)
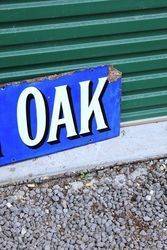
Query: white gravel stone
(151,192)
(148,197)
(120,180)
(140,171)
(76,185)
(8,204)
(23,231)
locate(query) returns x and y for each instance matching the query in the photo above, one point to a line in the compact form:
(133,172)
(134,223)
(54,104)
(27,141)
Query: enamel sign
(55,113)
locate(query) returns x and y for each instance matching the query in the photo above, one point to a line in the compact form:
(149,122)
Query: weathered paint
(32,113)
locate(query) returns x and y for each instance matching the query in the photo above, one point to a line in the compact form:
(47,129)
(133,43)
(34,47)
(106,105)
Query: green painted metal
(45,37)
(82,27)
(97,48)
(34,10)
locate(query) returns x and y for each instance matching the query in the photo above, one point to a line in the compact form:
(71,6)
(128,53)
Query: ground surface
(119,208)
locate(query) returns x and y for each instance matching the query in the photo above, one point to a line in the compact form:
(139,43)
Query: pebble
(148,197)
(77,185)
(23,231)
(146,218)
(138,173)
(9,205)
(120,180)
(123,207)
(151,192)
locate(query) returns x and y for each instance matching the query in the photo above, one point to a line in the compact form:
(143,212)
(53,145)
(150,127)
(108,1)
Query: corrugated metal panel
(45,37)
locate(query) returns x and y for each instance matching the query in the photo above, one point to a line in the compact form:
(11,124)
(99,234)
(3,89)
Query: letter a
(61,100)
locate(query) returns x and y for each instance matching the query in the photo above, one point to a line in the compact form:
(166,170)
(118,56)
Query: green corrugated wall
(46,37)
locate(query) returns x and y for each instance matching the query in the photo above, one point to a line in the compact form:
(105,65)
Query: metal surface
(46,37)
(57,113)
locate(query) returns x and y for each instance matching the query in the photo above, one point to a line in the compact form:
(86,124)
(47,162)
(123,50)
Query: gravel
(123,207)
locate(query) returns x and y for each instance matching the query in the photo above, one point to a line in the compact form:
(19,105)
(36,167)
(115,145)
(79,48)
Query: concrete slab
(139,142)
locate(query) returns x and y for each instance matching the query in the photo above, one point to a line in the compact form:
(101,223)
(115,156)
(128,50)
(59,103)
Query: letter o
(22,116)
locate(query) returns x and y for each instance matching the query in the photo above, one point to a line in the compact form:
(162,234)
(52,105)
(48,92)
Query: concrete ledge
(140,142)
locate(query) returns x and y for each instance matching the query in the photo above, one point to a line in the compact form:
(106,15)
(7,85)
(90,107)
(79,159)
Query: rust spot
(113,74)
(36,79)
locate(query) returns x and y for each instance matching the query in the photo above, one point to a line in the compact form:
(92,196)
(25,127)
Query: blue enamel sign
(55,113)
